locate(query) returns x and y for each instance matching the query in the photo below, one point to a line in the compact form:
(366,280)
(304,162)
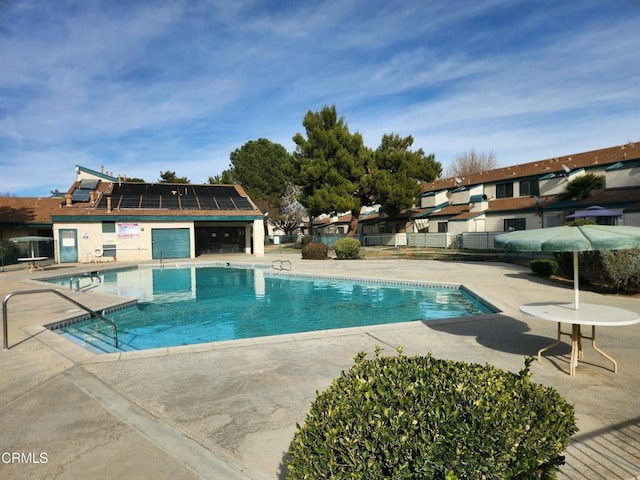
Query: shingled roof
(605,156)
(28,210)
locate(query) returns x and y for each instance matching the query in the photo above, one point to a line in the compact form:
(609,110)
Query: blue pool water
(181,306)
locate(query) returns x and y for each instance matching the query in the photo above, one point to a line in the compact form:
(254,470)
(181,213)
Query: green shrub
(544,267)
(565,264)
(422,417)
(315,251)
(347,248)
(306,240)
(617,270)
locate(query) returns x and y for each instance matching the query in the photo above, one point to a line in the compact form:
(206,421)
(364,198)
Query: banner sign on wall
(128,230)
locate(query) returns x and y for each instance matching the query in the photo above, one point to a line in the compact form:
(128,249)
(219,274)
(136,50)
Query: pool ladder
(76,281)
(281,265)
(97,315)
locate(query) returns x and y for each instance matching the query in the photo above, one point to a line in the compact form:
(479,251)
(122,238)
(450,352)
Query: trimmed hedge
(422,417)
(565,264)
(315,251)
(347,248)
(544,267)
(615,270)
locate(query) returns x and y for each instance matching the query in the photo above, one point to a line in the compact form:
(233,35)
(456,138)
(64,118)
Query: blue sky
(141,87)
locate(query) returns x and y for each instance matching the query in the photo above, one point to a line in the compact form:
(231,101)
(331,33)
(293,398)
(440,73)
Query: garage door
(170,243)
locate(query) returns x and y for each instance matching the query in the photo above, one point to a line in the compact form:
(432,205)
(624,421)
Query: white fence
(430,240)
(464,241)
(479,240)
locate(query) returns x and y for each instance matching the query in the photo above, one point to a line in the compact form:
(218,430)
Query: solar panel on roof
(207,203)
(89,184)
(130,201)
(129,188)
(242,203)
(225,203)
(170,202)
(102,203)
(150,201)
(81,196)
(201,190)
(189,203)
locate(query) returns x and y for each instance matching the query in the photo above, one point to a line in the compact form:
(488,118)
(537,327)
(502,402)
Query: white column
(258,238)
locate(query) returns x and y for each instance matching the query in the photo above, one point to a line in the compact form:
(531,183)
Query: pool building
(103,218)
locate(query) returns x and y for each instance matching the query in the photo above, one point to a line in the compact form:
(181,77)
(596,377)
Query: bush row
(617,270)
(345,248)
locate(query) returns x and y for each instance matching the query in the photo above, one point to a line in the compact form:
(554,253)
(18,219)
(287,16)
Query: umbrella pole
(576,282)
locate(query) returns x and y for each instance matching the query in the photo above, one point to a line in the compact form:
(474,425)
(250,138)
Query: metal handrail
(92,276)
(280,265)
(60,294)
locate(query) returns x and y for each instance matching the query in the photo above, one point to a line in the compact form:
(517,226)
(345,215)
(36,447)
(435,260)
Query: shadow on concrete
(501,333)
(532,277)
(23,339)
(282,469)
(614,449)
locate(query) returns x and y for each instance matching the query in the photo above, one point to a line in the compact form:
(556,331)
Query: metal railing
(76,280)
(60,294)
(281,265)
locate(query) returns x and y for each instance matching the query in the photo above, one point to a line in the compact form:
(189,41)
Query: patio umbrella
(571,239)
(595,211)
(31,240)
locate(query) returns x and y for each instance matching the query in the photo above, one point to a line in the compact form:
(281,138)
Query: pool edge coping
(89,356)
(78,354)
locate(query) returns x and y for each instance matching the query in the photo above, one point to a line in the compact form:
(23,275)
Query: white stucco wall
(624,177)
(132,239)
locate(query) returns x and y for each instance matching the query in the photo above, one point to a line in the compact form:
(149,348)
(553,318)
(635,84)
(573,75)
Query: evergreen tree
(262,168)
(170,177)
(399,173)
(332,163)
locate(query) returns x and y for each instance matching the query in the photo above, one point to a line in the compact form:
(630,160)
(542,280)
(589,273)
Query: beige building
(104,219)
(531,195)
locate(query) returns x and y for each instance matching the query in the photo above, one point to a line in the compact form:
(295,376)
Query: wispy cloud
(178,85)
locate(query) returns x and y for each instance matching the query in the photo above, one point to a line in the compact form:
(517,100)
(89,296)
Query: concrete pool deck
(229,409)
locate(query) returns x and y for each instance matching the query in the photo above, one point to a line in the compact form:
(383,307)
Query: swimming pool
(181,306)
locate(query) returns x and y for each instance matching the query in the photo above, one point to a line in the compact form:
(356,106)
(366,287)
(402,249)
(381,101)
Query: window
(504,190)
(529,187)
(108,227)
(443,227)
(109,251)
(512,224)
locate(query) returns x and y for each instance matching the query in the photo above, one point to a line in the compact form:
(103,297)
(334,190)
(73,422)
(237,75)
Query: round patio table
(588,314)
(34,263)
